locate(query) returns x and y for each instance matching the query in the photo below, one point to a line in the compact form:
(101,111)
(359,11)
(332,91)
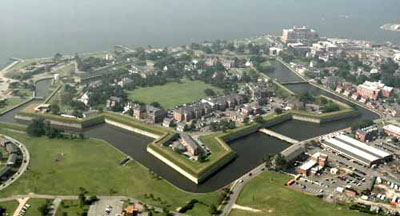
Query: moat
(249,149)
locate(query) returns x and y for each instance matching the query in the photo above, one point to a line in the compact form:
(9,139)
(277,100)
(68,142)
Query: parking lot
(106,207)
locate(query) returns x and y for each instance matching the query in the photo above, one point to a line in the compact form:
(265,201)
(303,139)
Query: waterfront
(249,149)
(76,26)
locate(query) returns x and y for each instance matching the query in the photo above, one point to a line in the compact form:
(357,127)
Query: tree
(156,104)
(2,211)
(212,209)
(45,208)
(279,162)
(57,57)
(209,92)
(55,109)
(278,110)
(268,160)
(36,128)
(259,120)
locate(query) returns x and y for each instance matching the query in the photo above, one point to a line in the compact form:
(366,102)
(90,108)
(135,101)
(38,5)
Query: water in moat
(250,149)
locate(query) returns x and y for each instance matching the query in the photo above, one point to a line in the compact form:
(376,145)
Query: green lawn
(268,194)
(173,93)
(13,102)
(36,204)
(62,166)
(10,206)
(70,207)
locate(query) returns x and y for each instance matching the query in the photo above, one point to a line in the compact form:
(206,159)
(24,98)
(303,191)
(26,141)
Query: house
(190,145)
(181,126)
(168,122)
(113,101)
(373,90)
(155,114)
(139,111)
(331,81)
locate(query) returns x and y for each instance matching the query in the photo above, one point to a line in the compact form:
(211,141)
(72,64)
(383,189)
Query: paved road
(238,185)
(25,162)
(59,198)
(20,205)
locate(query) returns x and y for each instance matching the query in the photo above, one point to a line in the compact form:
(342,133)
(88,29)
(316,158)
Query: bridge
(279,136)
(294,82)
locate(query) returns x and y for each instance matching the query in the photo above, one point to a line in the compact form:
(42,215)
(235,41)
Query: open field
(62,166)
(10,206)
(268,194)
(70,207)
(11,102)
(36,204)
(173,93)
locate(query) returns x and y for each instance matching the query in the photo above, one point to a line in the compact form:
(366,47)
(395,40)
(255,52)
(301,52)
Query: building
(367,134)
(12,159)
(189,144)
(356,150)
(392,130)
(4,141)
(155,114)
(320,158)
(223,102)
(374,90)
(113,101)
(181,126)
(305,168)
(313,165)
(299,34)
(168,122)
(292,152)
(194,111)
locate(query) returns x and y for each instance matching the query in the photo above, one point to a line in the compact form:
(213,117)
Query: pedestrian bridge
(278,136)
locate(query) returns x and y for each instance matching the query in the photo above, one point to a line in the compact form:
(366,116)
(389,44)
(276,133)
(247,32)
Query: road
(58,198)
(237,187)
(25,162)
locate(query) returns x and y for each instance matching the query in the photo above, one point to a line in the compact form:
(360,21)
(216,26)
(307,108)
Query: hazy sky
(43,27)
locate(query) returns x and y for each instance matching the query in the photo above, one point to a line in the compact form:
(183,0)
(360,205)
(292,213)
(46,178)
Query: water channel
(250,149)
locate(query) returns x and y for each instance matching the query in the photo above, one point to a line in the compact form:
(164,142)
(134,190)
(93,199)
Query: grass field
(268,194)
(70,207)
(173,93)
(36,204)
(10,206)
(62,166)
(13,102)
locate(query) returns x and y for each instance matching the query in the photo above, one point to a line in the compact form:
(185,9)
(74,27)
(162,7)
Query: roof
(351,151)
(12,159)
(363,146)
(292,152)
(4,171)
(189,141)
(392,128)
(308,164)
(11,148)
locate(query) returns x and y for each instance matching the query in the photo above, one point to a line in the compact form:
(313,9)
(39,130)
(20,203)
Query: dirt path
(245,208)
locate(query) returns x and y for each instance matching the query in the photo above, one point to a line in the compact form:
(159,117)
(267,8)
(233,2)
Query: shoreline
(391,27)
